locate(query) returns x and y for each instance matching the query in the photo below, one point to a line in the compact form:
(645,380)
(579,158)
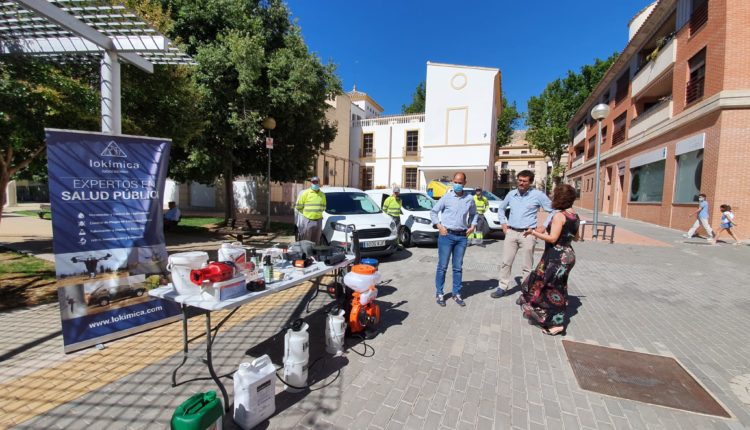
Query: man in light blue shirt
(455,217)
(702,218)
(524,203)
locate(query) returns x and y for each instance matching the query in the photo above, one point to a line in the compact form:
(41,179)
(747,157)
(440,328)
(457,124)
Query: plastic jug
(296,356)
(254,392)
(335,331)
(202,411)
(180,265)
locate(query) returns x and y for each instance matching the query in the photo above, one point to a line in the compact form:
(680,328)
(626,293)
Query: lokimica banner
(106,197)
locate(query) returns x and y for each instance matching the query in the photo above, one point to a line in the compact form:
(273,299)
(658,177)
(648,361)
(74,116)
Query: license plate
(373,244)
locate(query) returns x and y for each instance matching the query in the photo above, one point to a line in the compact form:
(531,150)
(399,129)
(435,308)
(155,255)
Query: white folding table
(292,278)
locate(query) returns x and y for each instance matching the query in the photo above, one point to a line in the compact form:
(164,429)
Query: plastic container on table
(180,265)
(202,411)
(370,262)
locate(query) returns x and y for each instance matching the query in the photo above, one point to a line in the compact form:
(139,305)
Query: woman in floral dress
(544,293)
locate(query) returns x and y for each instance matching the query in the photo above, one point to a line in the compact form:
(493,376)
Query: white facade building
(457,132)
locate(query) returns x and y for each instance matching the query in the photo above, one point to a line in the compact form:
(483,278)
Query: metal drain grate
(642,377)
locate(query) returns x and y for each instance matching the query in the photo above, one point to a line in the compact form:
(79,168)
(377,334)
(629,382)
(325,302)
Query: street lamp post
(599,112)
(269,124)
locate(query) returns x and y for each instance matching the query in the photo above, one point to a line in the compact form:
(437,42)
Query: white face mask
(700,199)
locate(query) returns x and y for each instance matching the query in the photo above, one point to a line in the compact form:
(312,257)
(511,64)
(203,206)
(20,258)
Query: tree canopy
(548,113)
(417,100)
(507,121)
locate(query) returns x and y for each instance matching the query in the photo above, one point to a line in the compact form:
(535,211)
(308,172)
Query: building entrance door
(617,204)
(607,194)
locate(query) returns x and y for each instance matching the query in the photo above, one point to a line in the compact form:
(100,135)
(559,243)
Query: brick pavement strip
(476,367)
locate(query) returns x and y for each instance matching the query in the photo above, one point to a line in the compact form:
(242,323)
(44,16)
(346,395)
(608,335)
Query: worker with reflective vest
(310,206)
(392,208)
(482,204)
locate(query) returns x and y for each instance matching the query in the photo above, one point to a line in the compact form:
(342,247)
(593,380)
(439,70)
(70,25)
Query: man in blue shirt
(524,203)
(455,217)
(702,218)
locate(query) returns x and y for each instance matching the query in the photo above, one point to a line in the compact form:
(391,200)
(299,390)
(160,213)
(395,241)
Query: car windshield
(350,203)
(416,202)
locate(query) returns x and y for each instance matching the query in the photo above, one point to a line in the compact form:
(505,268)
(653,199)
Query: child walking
(727,222)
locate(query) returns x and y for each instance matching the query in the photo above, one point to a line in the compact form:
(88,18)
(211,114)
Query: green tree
(548,114)
(252,63)
(35,94)
(417,100)
(507,121)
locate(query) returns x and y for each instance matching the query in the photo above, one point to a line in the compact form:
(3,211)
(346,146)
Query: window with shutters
(619,132)
(697,78)
(622,86)
(699,16)
(410,177)
(368,149)
(412,142)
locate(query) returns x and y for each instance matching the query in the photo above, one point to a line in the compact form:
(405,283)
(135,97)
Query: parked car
(416,226)
(493,219)
(349,209)
(105,294)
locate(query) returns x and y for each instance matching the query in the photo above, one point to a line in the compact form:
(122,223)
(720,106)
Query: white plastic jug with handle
(254,392)
(180,265)
(335,331)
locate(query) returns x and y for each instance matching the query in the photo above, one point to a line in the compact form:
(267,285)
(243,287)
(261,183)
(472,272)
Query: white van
(416,226)
(492,216)
(351,207)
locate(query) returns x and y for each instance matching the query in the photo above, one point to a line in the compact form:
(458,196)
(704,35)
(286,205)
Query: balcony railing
(658,113)
(699,17)
(577,161)
(367,153)
(694,90)
(579,136)
(389,120)
(655,68)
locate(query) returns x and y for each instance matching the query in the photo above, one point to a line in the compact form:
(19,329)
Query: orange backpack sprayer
(363,312)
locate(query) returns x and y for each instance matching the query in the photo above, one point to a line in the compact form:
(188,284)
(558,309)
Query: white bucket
(254,392)
(180,264)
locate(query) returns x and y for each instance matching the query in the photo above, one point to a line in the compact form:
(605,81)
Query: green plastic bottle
(202,411)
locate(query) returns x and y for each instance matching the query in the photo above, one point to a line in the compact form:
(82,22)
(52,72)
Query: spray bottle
(335,331)
(296,355)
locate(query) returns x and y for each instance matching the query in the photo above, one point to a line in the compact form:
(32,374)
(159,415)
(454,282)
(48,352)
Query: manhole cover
(642,377)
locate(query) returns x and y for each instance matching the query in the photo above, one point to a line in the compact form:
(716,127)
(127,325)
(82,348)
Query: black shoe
(441,301)
(498,293)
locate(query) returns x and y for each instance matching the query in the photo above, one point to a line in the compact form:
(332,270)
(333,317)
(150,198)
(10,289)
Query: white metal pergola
(87,30)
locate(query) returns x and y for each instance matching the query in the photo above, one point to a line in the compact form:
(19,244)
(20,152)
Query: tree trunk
(228,193)
(4,180)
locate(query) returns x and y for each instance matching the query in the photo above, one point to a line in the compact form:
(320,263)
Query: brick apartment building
(679,122)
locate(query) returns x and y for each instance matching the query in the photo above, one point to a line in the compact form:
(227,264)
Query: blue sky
(383,46)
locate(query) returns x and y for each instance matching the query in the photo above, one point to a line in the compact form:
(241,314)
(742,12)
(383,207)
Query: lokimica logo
(112,150)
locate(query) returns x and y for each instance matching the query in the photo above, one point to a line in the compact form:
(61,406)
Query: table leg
(209,362)
(184,344)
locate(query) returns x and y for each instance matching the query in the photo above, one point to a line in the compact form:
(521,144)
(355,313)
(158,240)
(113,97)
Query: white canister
(180,265)
(254,392)
(234,252)
(335,331)
(296,356)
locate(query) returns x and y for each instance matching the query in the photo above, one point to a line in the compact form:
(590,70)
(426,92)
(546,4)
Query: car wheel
(404,236)
(139,292)
(104,301)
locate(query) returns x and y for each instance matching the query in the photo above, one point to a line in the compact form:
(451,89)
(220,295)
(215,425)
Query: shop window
(647,182)
(697,77)
(688,179)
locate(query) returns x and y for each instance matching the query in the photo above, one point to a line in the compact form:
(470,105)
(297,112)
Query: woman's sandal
(546,331)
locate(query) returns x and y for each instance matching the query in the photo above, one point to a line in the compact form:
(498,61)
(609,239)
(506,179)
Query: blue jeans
(447,245)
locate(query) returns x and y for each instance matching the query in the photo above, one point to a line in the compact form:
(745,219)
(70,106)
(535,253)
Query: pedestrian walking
(701,218)
(455,217)
(392,207)
(310,206)
(524,203)
(544,293)
(727,222)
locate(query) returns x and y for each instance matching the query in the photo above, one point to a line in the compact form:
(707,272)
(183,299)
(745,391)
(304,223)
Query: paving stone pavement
(482,366)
